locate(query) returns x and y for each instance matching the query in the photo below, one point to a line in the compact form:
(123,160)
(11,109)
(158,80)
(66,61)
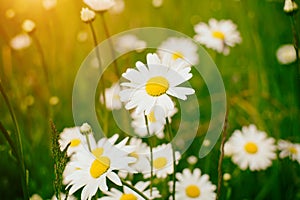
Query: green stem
(101,72)
(20,155)
(110,44)
(169,128)
(151,155)
(43,60)
(296,39)
(134,189)
(9,140)
(220,175)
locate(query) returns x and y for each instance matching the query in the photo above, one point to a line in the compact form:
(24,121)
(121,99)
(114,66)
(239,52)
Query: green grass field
(259,89)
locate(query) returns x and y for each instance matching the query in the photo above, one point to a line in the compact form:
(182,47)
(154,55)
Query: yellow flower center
(218,35)
(177,55)
(192,191)
(293,150)
(135,155)
(128,197)
(151,117)
(251,148)
(99,166)
(98,152)
(75,142)
(157,86)
(159,162)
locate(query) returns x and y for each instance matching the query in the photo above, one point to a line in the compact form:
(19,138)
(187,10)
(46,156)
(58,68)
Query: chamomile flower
(21,41)
(162,161)
(87,15)
(251,148)
(194,186)
(100,5)
(129,194)
(154,84)
(180,48)
(129,42)
(112,97)
(118,7)
(28,26)
(93,168)
(218,35)
(156,121)
(286,54)
(288,149)
(76,139)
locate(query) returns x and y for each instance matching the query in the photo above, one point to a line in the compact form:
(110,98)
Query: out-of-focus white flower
(286,54)
(218,35)
(194,186)
(100,5)
(251,148)
(112,98)
(20,41)
(128,43)
(192,160)
(226,176)
(290,6)
(49,4)
(180,48)
(288,149)
(36,197)
(87,15)
(118,7)
(10,13)
(54,100)
(82,36)
(28,26)
(157,3)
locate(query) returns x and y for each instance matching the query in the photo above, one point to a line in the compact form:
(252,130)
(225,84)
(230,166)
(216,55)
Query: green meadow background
(259,90)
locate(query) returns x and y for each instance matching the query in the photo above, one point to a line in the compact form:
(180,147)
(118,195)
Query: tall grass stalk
(151,154)
(19,151)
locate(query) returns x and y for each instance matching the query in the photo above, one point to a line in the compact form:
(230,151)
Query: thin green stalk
(20,155)
(174,157)
(220,175)
(151,155)
(43,60)
(134,189)
(110,44)
(101,71)
(9,140)
(296,39)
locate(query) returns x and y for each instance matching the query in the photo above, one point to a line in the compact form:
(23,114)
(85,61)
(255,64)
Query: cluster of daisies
(92,163)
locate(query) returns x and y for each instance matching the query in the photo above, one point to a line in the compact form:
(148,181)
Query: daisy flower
(140,152)
(156,121)
(162,161)
(129,194)
(251,148)
(93,168)
(129,42)
(76,139)
(180,48)
(112,97)
(218,35)
(100,5)
(21,41)
(288,149)
(194,186)
(286,54)
(118,7)
(290,6)
(154,84)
